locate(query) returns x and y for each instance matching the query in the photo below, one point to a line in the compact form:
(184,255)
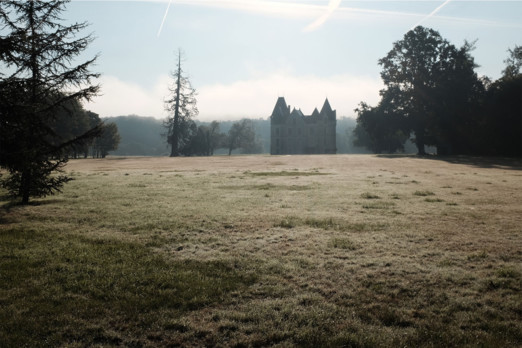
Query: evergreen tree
(37,81)
(181,107)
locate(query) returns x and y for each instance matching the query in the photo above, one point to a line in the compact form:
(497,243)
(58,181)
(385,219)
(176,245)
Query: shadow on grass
(91,292)
(511,163)
(7,203)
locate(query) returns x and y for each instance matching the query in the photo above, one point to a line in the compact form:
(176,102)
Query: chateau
(291,132)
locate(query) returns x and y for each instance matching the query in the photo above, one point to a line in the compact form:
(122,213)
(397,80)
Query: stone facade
(291,132)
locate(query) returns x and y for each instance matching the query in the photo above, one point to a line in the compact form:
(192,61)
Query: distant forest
(142,136)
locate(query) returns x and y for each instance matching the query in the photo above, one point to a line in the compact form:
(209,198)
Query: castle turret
(281,110)
(327,109)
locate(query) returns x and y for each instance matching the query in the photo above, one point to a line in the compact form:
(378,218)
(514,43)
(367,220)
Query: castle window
(277,131)
(289,131)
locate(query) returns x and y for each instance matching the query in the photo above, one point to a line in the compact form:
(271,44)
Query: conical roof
(327,109)
(280,108)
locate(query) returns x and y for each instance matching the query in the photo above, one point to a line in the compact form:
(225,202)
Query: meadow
(254,251)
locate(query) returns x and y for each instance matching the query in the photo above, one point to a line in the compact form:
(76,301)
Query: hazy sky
(243,54)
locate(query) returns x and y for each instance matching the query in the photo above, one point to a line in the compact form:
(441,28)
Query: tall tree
(37,80)
(431,84)
(181,106)
(408,71)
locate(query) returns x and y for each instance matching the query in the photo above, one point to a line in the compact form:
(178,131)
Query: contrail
(332,6)
(431,14)
(164,17)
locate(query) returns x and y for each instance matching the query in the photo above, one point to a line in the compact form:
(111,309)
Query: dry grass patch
(368,195)
(423,193)
(286,173)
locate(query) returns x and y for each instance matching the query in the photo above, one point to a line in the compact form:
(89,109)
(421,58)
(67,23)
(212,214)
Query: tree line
(434,96)
(205,139)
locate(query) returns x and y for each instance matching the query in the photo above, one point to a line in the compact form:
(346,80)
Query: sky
(241,55)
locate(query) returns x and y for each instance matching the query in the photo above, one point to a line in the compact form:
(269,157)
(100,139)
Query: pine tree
(37,81)
(181,107)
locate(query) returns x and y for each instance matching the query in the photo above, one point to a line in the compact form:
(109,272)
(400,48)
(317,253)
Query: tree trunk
(419,141)
(25,187)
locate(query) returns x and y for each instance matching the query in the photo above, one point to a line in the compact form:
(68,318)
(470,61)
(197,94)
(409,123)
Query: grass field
(249,251)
